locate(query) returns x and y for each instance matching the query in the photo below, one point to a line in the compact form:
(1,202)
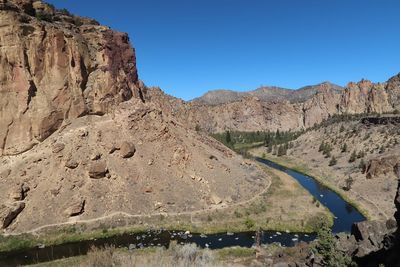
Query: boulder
(95,156)
(370,236)
(346,243)
(98,169)
(148,190)
(71,164)
(5,173)
(75,208)
(380,166)
(58,147)
(215,199)
(8,213)
(127,150)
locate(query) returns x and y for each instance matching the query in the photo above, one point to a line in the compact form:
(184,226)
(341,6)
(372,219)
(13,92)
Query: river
(345,216)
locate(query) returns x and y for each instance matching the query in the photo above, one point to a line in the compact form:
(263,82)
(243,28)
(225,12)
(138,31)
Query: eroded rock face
(373,243)
(55,66)
(370,236)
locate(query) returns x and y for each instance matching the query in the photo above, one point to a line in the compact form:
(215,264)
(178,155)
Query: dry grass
(177,255)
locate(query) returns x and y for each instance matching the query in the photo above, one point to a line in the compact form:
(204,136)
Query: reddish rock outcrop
(380,166)
(55,66)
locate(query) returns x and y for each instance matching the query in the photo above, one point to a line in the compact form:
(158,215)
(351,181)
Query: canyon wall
(279,111)
(55,66)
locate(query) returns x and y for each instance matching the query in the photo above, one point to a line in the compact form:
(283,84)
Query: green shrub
(249,223)
(326,248)
(333,161)
(353,157)
(349,182)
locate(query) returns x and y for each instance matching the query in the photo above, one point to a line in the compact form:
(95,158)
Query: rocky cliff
(274,108)
(78,141)
(375,243)
(55,66)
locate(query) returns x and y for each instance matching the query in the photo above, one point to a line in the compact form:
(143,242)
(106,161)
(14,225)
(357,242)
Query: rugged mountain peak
(56,66)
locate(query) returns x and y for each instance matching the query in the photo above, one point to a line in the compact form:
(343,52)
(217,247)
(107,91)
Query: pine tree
(333,161)
(321,147)
(327,249)
(344,148)
(228,138)
(281,151)
(362,166)
(274,150)
(349,183)
(353,157)
(270,147)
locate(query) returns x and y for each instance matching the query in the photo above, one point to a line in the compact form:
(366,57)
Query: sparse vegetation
(176,255)
(44,16)
(64,11)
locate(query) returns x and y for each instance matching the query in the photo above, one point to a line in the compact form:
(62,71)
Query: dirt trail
(127,215)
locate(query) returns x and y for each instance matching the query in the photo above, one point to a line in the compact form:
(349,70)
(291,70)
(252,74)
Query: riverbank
(176,255)
(302,168)
(272,209)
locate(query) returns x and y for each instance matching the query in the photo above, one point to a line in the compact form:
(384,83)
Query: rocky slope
(376,243)
(78,140)
(274,108)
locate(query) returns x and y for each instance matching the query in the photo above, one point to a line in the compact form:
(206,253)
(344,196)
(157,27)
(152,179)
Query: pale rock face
(311,107)
(53,71)
(365,97)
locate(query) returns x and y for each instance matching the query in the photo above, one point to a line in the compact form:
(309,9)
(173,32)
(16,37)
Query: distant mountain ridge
(272,108)
(267,93)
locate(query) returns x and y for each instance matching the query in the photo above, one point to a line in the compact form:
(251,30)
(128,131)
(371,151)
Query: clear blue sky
(188,47)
